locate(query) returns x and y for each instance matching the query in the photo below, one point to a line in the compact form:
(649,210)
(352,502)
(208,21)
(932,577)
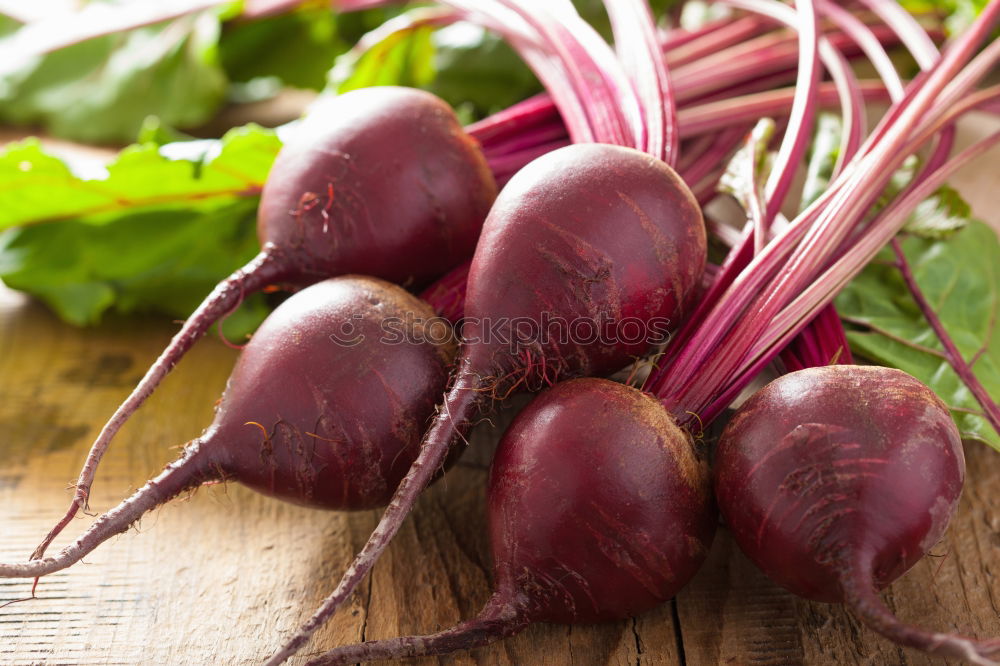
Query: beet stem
(860,597)
(453,421)
(447,295)
(266,268)
(185,473)
(499,619)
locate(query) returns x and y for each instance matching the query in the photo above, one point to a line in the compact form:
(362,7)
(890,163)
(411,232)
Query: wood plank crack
(678,634)
(368,608)
(638,643)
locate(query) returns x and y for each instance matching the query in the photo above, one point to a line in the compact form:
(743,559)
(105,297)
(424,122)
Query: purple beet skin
(599,509)
(333,423)
(324,422)
(579,240)
(836,480)
(382,181)
(599,506)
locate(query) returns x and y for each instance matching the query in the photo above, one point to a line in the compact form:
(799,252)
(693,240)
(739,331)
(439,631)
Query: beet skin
(385,182)
(835,480)
(381,181)
(333,424)
(320,410)
(599,509)
(579,241)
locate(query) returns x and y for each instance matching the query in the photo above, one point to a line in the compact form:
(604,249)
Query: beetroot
(305,417)
(584,237)
(384,181)
(836,480)
(599,509)
(343,419)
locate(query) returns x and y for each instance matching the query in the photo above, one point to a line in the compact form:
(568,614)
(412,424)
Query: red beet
(586,237)
(836,480)
(384,181)
(305,417)
(599,509)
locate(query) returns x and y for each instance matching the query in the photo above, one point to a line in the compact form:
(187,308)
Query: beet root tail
(262,270)
(185,473)
(860,597)
(496,621)
(451,423)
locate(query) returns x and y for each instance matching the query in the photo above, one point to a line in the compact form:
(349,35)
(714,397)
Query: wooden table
(223,575)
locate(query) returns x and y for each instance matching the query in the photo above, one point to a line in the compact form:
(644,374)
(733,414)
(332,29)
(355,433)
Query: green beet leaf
(41,188)
(403,58)
(102,89)
(155,234)
(960,277)
(472,69)
(958,13)
(297,47)
(163,261)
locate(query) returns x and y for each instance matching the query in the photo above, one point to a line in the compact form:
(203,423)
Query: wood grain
(224,575)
